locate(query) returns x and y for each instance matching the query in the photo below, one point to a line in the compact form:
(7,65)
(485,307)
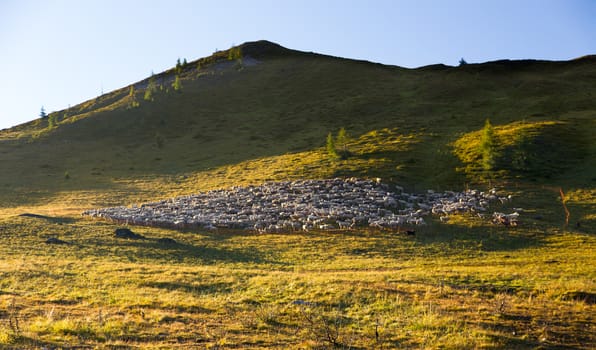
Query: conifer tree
(132,98)
(488,147)
(178,66)
(177,84)
(342,140)
(331,151)
(53,121)
(151,88)
(42,113)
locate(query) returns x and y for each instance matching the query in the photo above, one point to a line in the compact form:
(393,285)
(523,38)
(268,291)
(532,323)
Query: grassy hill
(273,101)
(261,112)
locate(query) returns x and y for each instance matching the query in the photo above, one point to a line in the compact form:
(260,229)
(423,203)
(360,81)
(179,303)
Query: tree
(178,66)
(177,84)
(342,141)
(53,121)
(42,113)
(132,98)
(488,147)
(235,53)
(331,151)
(151,88)
(462,62)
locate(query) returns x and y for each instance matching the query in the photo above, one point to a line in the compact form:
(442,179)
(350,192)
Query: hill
(261,112)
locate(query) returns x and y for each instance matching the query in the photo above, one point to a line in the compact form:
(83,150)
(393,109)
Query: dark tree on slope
(178,66)
(42,113)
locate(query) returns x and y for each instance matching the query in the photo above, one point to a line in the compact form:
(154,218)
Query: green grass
(466,284)
(459,286)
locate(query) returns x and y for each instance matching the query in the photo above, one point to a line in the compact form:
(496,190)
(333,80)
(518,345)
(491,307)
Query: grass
(465,284)
(482,286)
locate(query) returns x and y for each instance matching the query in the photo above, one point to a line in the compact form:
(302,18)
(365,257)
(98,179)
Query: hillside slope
(261,112)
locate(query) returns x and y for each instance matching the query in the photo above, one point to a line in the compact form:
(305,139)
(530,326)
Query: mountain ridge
(262,49)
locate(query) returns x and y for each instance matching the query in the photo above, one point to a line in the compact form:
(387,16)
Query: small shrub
(326,327)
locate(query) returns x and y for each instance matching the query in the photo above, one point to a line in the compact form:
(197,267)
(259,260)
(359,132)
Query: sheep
(302,204)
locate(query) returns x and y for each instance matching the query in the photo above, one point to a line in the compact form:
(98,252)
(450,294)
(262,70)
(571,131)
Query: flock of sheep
(302,205)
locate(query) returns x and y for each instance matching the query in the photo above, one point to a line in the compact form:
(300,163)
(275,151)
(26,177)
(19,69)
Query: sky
(58,53)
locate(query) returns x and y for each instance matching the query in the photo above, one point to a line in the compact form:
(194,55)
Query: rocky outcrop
(301,205)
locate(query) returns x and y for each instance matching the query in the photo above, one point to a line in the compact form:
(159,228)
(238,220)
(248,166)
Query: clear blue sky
(59,53)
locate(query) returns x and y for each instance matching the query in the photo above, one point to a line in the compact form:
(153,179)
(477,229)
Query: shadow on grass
(23,342)
(507,340)
(193,288)
(154,250)
(486,237)
(51,219)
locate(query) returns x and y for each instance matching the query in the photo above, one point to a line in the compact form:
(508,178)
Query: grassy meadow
(263,115)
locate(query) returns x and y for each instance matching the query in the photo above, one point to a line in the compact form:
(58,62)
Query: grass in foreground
(465,285)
